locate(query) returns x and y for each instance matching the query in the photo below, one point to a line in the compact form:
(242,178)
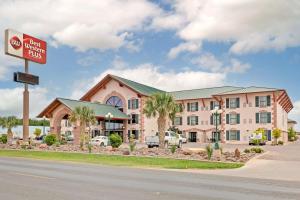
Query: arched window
(116,102)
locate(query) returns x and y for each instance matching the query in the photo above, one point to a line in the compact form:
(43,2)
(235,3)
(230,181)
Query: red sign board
(25,46)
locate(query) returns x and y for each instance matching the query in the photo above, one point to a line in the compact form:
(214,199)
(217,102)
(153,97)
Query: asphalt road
(22,179)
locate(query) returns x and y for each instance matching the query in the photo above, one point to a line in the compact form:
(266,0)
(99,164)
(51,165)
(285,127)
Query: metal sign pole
(26,107)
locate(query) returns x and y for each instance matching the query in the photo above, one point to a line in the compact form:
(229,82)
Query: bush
(115,140)
(209,151)
(280,142)
(3,139)
(50,139)
(257,150)
(292,135)
(173,149)
(246,151)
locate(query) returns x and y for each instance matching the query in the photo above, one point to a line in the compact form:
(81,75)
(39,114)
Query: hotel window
(214,104)
(134,118)
(133,104)
(233,135)
(177,121)
(192,120)
(232,118)
(232,102)
(262,101)
(263,117)
(192,106)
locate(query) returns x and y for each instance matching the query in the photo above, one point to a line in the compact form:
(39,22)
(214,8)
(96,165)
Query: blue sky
(171,45)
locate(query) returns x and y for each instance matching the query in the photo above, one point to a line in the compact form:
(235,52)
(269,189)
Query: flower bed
(141,152)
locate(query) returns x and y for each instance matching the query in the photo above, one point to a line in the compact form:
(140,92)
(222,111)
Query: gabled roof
(201,93)
(137,87)
(292,121)
(100,109)
(141,88)
(251,89)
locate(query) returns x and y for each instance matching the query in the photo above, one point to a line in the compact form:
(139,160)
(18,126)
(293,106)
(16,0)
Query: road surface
(25,179)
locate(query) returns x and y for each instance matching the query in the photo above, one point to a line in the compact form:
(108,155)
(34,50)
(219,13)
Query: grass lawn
(119,160)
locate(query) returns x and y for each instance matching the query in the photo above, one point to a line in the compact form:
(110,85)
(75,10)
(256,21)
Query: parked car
(101,141)
(257,139)
(183,138)
(171,138)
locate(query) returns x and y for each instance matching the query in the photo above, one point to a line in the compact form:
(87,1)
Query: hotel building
(244,109)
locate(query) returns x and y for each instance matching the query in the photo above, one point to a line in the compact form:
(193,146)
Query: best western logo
(15,42)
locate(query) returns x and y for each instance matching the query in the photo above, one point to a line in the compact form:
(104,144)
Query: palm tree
(9,123)
(86,117)
(164,107)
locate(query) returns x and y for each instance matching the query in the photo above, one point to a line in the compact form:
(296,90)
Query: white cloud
(153,76)
(7,62)
(295,114)
(11,103)
(96,24)
(209,62)
(183,47)
(250,26)
(91,58)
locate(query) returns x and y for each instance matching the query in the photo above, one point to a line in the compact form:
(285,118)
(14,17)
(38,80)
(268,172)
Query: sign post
(28,48)
(26,107)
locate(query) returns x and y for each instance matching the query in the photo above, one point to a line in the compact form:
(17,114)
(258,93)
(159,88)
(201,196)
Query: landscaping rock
(43,146)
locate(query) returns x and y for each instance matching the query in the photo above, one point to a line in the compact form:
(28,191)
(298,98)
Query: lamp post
(109,116)
(216,112)
(44,119)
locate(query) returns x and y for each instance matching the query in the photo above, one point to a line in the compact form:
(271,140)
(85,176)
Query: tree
(9,123)
(163,106)
(291,134)
(37,132)
(86,117)
(276,134)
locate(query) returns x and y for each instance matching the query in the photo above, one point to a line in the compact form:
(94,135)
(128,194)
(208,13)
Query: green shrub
(50,139)
(115,140)
(257,150)
(3,139)
(291,135)
(280,142)
(209,151)
(173,149)
(57,144)
(246,151)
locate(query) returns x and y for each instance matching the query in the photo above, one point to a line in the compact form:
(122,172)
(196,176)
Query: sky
(171,45)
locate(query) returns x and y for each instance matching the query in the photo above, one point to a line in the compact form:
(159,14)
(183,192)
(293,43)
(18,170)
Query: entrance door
(193,136)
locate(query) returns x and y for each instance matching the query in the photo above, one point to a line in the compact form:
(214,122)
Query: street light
(44,119)
(216,112)
(109,116)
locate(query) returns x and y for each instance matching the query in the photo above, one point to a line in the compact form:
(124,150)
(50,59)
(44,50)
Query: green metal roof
(143,89)
(251,89)
(201,93)
(100,109)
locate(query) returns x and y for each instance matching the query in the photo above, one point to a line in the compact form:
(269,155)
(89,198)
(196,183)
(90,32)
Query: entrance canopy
(100,109)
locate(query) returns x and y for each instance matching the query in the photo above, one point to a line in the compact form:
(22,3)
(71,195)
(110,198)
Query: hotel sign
(25,46)
(26,78)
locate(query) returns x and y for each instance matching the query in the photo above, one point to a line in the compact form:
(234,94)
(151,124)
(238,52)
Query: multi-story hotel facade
(244,110)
